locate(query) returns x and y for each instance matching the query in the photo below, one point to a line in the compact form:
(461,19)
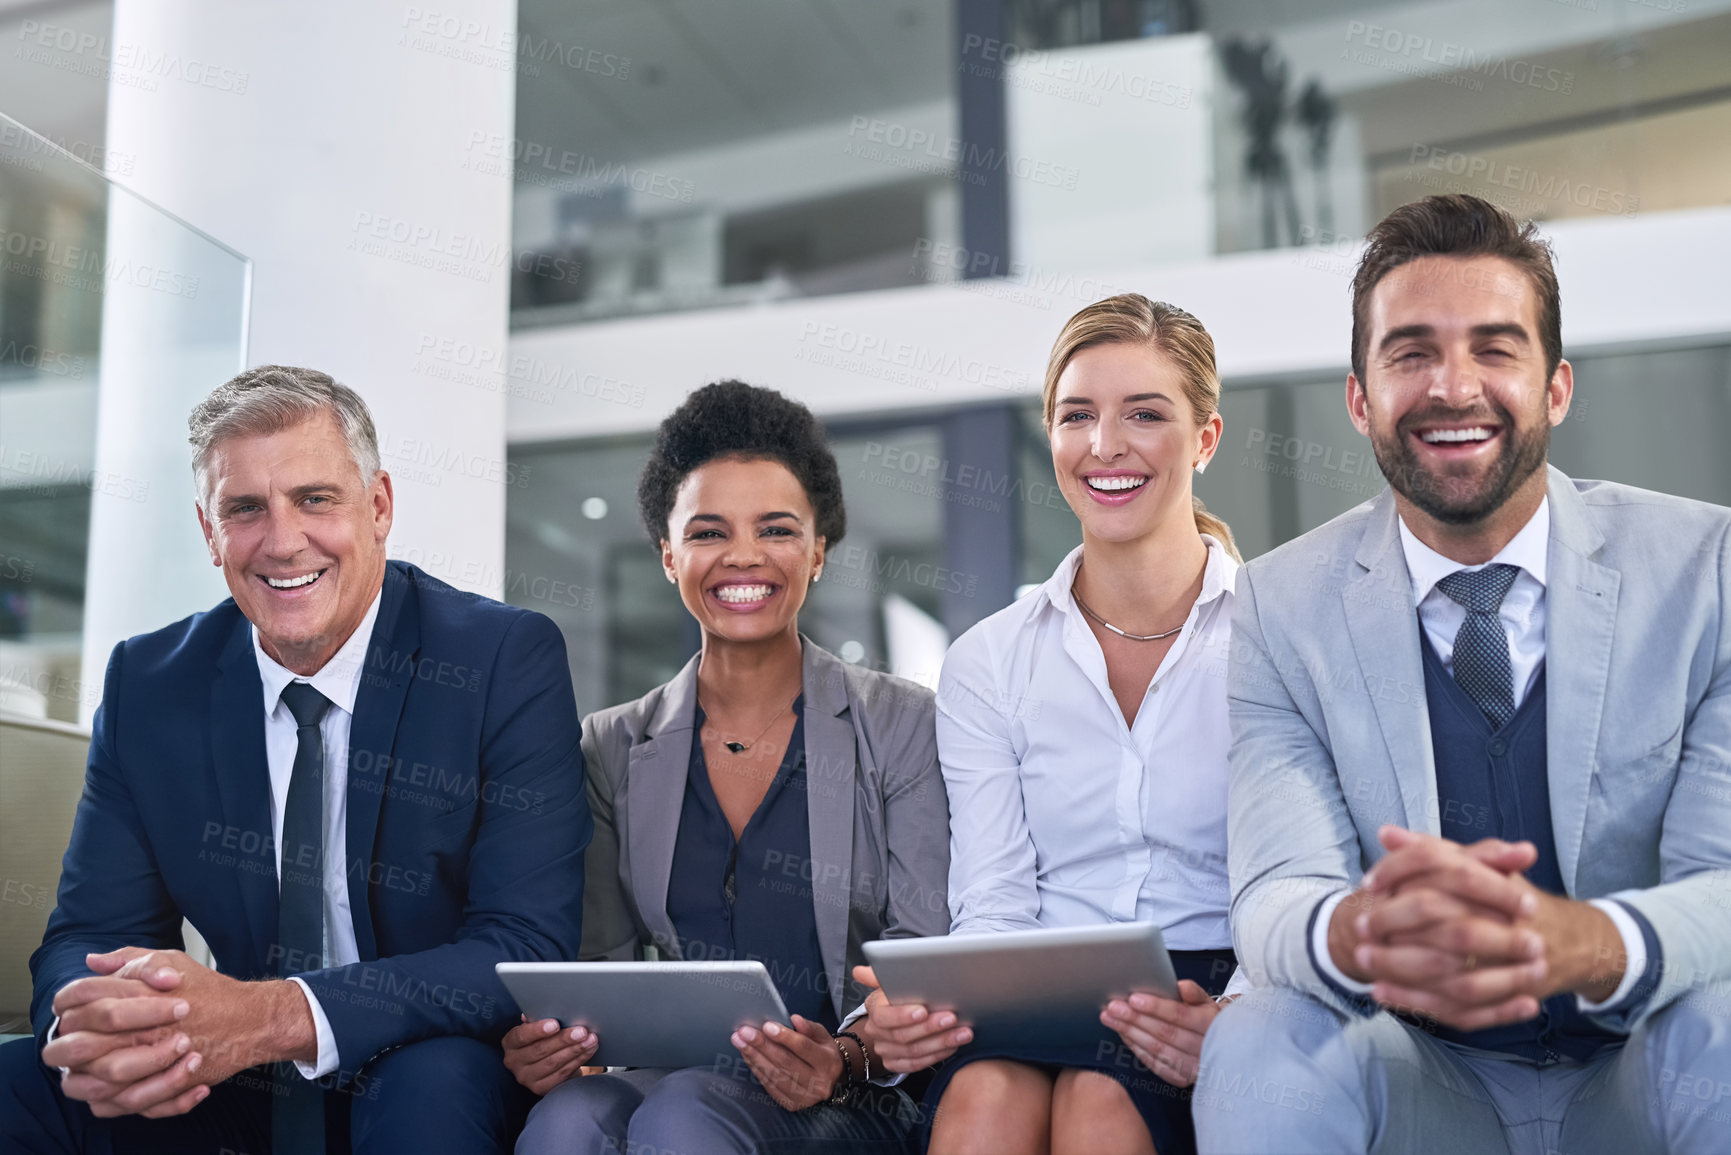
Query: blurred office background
(525,231)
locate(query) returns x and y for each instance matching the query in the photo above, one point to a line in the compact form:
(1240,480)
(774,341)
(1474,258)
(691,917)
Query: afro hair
(733,419)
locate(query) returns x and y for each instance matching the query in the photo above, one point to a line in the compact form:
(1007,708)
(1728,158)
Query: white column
(335,145)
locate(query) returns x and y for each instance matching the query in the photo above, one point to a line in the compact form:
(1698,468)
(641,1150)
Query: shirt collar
(1526,549)
(338,679)
(1219,576)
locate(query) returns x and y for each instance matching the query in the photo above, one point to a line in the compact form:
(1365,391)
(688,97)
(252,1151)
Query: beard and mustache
(1464,498)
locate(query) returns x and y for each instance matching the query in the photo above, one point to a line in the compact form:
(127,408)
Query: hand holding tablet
(1047,986)
(907,1037)
(542,1054)
(1165,1034)
(639,1014)
(799,1065)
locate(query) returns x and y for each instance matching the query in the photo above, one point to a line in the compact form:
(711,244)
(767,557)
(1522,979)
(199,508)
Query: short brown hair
(1456,225)
(1132,319)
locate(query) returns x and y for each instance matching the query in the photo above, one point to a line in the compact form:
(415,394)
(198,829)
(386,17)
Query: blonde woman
(1083,738)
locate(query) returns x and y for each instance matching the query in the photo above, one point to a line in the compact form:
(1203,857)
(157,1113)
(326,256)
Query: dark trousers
(437,1095)
(708,1111)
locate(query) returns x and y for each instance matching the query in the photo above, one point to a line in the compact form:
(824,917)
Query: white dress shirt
(1060,814)
(340,681)
(1523,619)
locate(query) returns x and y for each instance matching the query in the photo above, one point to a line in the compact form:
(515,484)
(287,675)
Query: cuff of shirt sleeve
(1320,957)
(1237,985)
(882,1078)
(327,1061)
(53,1031)
(1634,949)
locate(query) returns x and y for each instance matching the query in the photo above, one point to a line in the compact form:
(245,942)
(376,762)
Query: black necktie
(1481,656)
(297,1109)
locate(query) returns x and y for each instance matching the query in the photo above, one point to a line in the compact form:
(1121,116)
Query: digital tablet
(649,1014)
(1044,987)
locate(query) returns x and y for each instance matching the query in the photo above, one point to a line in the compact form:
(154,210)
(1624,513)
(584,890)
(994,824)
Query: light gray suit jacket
(1331,733)
(879,817)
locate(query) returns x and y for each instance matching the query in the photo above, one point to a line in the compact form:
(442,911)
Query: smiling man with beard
(1480,812)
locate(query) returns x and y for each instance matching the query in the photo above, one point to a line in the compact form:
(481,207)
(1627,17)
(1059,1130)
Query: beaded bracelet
(865,1055)
(844,1085)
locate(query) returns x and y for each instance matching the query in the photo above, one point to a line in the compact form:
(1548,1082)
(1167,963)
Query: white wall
(326,141)
(1657,278)
(1111,153)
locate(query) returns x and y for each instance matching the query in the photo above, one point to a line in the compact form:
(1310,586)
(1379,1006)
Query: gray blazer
(879,817)
(1331,735)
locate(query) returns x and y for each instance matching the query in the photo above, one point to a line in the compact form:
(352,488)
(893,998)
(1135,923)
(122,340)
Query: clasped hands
(1455,933)
(799,1065)
(152,1031)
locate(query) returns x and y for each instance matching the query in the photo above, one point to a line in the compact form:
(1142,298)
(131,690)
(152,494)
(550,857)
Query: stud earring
(1201,466)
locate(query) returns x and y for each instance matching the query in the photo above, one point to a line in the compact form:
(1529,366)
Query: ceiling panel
(704,73)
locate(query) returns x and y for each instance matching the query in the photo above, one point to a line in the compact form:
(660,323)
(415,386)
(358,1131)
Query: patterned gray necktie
(1481,657)
(297,1108)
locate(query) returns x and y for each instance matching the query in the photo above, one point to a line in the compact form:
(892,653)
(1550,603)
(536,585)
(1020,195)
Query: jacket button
(1498,747)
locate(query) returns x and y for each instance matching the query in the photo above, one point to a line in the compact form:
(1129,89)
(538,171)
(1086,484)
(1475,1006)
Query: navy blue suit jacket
(467,815)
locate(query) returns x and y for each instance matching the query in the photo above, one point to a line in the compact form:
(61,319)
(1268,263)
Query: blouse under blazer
(875,806)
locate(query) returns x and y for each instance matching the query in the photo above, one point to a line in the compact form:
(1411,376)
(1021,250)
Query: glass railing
(726,155)
(115,317)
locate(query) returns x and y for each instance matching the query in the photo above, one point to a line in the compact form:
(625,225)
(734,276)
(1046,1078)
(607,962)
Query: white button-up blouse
(1060,815)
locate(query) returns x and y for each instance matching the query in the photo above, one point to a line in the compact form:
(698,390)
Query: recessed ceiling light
(594,508)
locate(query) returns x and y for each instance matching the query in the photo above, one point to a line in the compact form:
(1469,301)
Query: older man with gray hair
(362,786)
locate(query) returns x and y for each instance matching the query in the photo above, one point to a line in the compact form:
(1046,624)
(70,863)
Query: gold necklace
(742,747)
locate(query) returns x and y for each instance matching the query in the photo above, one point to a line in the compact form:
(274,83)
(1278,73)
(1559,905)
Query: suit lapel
(242,770)
(831,754)
(654,795)
(391,655)
(1383,624)
(1580,619)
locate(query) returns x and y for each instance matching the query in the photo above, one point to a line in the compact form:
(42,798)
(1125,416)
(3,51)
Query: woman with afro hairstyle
(771,802)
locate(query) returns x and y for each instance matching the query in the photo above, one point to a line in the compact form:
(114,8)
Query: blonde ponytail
(1215,528)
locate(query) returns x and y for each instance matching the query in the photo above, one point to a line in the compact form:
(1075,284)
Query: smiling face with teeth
(1456,400)
(299,536)
(743,548)
(1125,440)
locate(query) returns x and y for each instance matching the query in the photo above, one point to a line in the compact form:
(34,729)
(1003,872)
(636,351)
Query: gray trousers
(706,1111)
(1283,1073)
